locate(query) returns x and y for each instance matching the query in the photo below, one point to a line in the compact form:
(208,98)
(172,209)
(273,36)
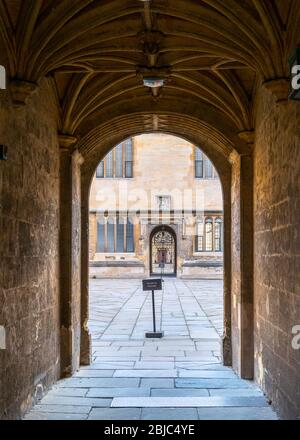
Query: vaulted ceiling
(212,54)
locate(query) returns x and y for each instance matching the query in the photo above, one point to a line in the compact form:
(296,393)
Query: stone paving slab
(100,383)
(206,374)
(68,392)
(95,373)
(115,414)
(146,373)
(210,383)
(192,365)
(157,383)
(188,402)
(109,365)
(169,414)
(158,365)
(36,415)
(65,409)
(119,392)
(231,392)
(177,392)
(75,401)
(245,413)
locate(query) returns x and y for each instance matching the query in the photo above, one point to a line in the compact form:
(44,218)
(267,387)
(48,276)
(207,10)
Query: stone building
(156,208)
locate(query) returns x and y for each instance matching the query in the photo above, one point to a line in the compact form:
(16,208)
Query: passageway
(83,76)
(177,377)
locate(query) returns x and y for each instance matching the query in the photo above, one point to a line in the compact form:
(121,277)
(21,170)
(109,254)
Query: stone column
(227,334)
(85,342)
(70,252)
(93,235)
(242,261)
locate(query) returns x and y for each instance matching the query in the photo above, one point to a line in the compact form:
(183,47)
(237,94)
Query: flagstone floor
(179,377)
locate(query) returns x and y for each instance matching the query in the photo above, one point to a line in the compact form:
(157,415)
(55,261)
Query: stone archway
(233,166)
(163,251)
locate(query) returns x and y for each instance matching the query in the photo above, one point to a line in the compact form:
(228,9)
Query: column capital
(279,87)
(248,136)
(66,141)
(21,91)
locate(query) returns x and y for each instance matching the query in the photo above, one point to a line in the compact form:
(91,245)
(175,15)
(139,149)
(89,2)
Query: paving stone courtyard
(179,377)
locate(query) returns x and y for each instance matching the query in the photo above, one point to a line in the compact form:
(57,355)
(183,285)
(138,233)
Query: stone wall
(163,165)
(29,294)
(277,249)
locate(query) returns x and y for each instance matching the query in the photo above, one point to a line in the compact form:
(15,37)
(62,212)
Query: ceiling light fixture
(153,82)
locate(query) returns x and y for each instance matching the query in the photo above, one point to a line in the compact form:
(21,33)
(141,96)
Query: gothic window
(119,160)
(115,234)
(208,169)
(109,162)
(118,163)
(209,234)
(100,170)
(204,169)
(129,236)
(100,236)
(199,235)
(198,164)
(128,158)
(218,235)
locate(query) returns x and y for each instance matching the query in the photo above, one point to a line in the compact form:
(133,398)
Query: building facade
(164,213)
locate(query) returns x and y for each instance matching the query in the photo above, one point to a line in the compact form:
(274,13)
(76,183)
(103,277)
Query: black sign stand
(153,285)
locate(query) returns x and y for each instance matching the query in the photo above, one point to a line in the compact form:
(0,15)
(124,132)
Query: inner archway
(218,148)
(163,251)
(174,218)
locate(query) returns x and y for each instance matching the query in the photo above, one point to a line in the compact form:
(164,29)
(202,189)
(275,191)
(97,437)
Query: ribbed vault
(212,54)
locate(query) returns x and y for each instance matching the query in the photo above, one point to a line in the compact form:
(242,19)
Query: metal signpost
(152,285)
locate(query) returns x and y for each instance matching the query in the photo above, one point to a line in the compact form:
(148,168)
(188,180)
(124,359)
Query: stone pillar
(93,235)
(70,250)
(85,342)
(242,262)
(227,335)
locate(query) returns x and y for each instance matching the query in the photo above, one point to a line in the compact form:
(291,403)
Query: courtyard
(179,377)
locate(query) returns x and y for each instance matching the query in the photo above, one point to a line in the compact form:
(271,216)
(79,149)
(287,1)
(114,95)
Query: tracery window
(209,234)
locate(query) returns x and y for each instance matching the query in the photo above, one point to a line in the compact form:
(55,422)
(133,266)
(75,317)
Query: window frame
(201,158)
(127,165)
(214,221)
(112,226)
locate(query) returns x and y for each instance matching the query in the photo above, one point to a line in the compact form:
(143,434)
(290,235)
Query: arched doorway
(163,251)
